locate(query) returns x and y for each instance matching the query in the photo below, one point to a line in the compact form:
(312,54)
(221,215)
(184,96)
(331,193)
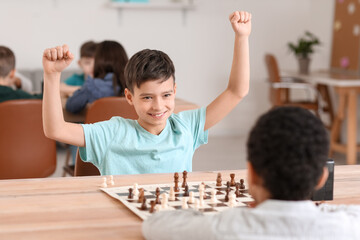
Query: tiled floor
(221,153)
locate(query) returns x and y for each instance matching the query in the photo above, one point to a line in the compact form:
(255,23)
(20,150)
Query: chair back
(25,152)
(105,108)
(278,96)
(101,110)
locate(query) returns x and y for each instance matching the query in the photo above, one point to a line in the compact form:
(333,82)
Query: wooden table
(348,88)
(180,105)
(75,208)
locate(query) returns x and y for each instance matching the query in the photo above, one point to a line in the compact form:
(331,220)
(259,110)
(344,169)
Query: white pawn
(184,203)
(104,185)
(136,190)
(201,194)
(111,180)
(213,196)
(172,194)
(232,201)
(164,201)
(201,187)
(201,203)
(191,197)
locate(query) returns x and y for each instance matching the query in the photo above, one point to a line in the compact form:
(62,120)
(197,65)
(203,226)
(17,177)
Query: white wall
(201,49)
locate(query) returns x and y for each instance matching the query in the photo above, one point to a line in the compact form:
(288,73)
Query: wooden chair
(25,152)
(281,86)
(101,110)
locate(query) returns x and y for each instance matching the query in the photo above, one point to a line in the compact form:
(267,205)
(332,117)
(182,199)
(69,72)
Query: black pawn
(242,185)
(143,205)
(227,195)
(157,192)
(152,206)
(237,192)
(130,193)
(186,191)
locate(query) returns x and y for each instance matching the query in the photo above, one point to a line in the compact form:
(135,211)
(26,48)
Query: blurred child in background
(86,63)
(108,77)
(8,78)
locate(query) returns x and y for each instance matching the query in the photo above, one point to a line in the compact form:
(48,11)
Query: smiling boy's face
(154,102)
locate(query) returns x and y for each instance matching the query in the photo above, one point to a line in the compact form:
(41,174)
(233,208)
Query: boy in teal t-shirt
(86,63)
(158,141)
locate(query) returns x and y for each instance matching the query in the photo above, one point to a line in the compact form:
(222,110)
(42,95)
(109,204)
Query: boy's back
(272,219)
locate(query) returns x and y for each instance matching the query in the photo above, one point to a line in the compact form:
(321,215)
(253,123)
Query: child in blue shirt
(86,63)
(158,141)
(107,79)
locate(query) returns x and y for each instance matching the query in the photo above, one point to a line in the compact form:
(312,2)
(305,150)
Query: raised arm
(55,60)
(238,85)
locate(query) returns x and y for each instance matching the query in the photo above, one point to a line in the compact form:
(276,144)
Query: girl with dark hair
(108,80)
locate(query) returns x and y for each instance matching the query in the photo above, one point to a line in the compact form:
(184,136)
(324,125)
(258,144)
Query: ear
(128,96)
(322,179)
(12,73)
(251,174)
(79,63)
(175,88)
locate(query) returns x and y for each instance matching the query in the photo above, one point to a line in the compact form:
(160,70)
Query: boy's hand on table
(241,23)
(56,59)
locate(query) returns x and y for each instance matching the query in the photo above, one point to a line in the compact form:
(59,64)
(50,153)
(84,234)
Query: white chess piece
(191,197)
(136,190)
(201,194)
(232,201)
(184,203)
(172,194)
(164,201)
(201,203)
(111,180)
(104,185)
(213,196)
(201,187)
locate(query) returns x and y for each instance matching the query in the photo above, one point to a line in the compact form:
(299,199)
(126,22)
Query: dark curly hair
(148,65)
(288,148)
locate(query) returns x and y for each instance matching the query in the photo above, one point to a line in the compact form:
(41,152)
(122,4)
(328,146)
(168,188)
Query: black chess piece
(184,179)
(176,181)
(242,185)
(143,205)
(237,192)
(227,194)
(232,181)
(152,206)
(218,180)
(186,191)
(130,193)
(157,193)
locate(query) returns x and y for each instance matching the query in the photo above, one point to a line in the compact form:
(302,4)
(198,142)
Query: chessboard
(208,206)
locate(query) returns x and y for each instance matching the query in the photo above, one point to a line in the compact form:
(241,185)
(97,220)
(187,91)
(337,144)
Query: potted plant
(303,49)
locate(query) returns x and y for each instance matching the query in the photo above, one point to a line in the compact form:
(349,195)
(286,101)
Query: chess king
(287,151)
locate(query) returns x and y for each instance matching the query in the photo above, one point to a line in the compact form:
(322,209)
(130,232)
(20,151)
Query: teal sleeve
(98,137)
(75,80)
(195,120)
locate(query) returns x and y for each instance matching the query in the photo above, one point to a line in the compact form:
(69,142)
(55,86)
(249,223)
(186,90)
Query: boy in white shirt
(287,153)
